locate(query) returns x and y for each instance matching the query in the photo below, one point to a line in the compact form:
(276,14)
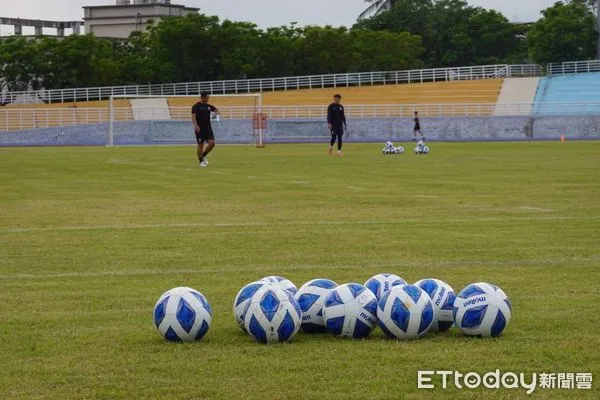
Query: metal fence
(16,119)
(272,84)
(573,67)
(300,82)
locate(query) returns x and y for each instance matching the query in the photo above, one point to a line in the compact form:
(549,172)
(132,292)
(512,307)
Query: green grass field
(90,238)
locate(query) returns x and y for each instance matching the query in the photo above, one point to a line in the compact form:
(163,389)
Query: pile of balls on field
(274,310)
(421,148)
(390,148)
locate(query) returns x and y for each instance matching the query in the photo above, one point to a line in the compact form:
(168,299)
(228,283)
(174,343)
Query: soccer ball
(311,297)
(273,315)
(386,151)
(182,314)
(281,282)
(399,150)
(425,150)
(350,310)
(405,312)
(381,283)
(442,296)
(242,299)
(482,309)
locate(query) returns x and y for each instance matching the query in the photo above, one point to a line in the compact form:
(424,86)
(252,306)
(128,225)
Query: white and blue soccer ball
(273,315)
(442,296)
(482,309)
(311,297)
(399,150)
(281,282)
(350,310)
(405,312)
(380,284)
(388,148)
(242,299)
(182,314)
(421,148)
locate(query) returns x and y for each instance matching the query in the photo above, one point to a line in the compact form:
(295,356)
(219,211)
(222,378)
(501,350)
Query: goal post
(232,108)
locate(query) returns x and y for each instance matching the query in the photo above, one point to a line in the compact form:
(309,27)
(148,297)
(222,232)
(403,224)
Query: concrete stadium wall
(282,131)
(516,90)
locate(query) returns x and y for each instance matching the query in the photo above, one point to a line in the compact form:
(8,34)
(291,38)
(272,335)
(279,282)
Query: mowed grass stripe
(291,224)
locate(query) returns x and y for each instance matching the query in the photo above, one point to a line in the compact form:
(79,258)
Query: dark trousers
(336,135)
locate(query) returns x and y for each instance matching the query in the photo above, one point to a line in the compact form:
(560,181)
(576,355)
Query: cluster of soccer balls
(421,148)
(274,310)
(389,148)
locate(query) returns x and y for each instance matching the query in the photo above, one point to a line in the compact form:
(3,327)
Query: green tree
(77,61)
(279,52)
(377,7)
(384,50)
(494,38)
(325,50)
(404,16)
(19,59)
(186,48)
(567,32)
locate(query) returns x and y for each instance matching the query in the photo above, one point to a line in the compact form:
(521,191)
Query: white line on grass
(265,268)
(294,223)
(425,196)
(538,209)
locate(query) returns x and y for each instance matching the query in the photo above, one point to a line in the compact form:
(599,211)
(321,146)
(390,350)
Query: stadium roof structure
(39,25)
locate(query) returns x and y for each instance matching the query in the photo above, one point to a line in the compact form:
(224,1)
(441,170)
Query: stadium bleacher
(571,89)
(28,116)
(458,92)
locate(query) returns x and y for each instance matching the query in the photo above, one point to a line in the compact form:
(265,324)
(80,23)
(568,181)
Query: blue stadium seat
(575,94)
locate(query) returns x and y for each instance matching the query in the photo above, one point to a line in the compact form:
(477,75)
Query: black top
(417,122)
(202,111)
(335,115)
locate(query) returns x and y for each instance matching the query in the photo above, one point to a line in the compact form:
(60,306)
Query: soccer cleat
(340,153)
(203,164)
(330,150)
(206,161)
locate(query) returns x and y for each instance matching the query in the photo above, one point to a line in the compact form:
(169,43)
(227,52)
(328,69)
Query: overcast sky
(262,12)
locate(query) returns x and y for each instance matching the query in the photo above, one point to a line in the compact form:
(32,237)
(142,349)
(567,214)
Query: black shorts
(337,130)
(417,128)
(206,134)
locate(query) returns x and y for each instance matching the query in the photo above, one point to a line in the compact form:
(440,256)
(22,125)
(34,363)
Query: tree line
(410,34)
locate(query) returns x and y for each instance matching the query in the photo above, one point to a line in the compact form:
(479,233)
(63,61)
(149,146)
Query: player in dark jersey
(417,127)
(336,121)
(201,112)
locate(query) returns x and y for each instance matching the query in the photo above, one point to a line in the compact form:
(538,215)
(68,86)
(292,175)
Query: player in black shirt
(201,113)
(336,121)
(417,127)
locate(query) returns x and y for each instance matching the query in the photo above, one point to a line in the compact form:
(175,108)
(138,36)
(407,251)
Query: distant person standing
(336,121)
(417,128)
(201,113)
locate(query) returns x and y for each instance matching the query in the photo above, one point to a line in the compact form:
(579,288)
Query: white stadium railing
(271,84)
(15,119)
(300,82)
(573,67)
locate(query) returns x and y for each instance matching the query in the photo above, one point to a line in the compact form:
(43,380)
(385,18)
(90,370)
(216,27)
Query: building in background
(62,28)
(127,16)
